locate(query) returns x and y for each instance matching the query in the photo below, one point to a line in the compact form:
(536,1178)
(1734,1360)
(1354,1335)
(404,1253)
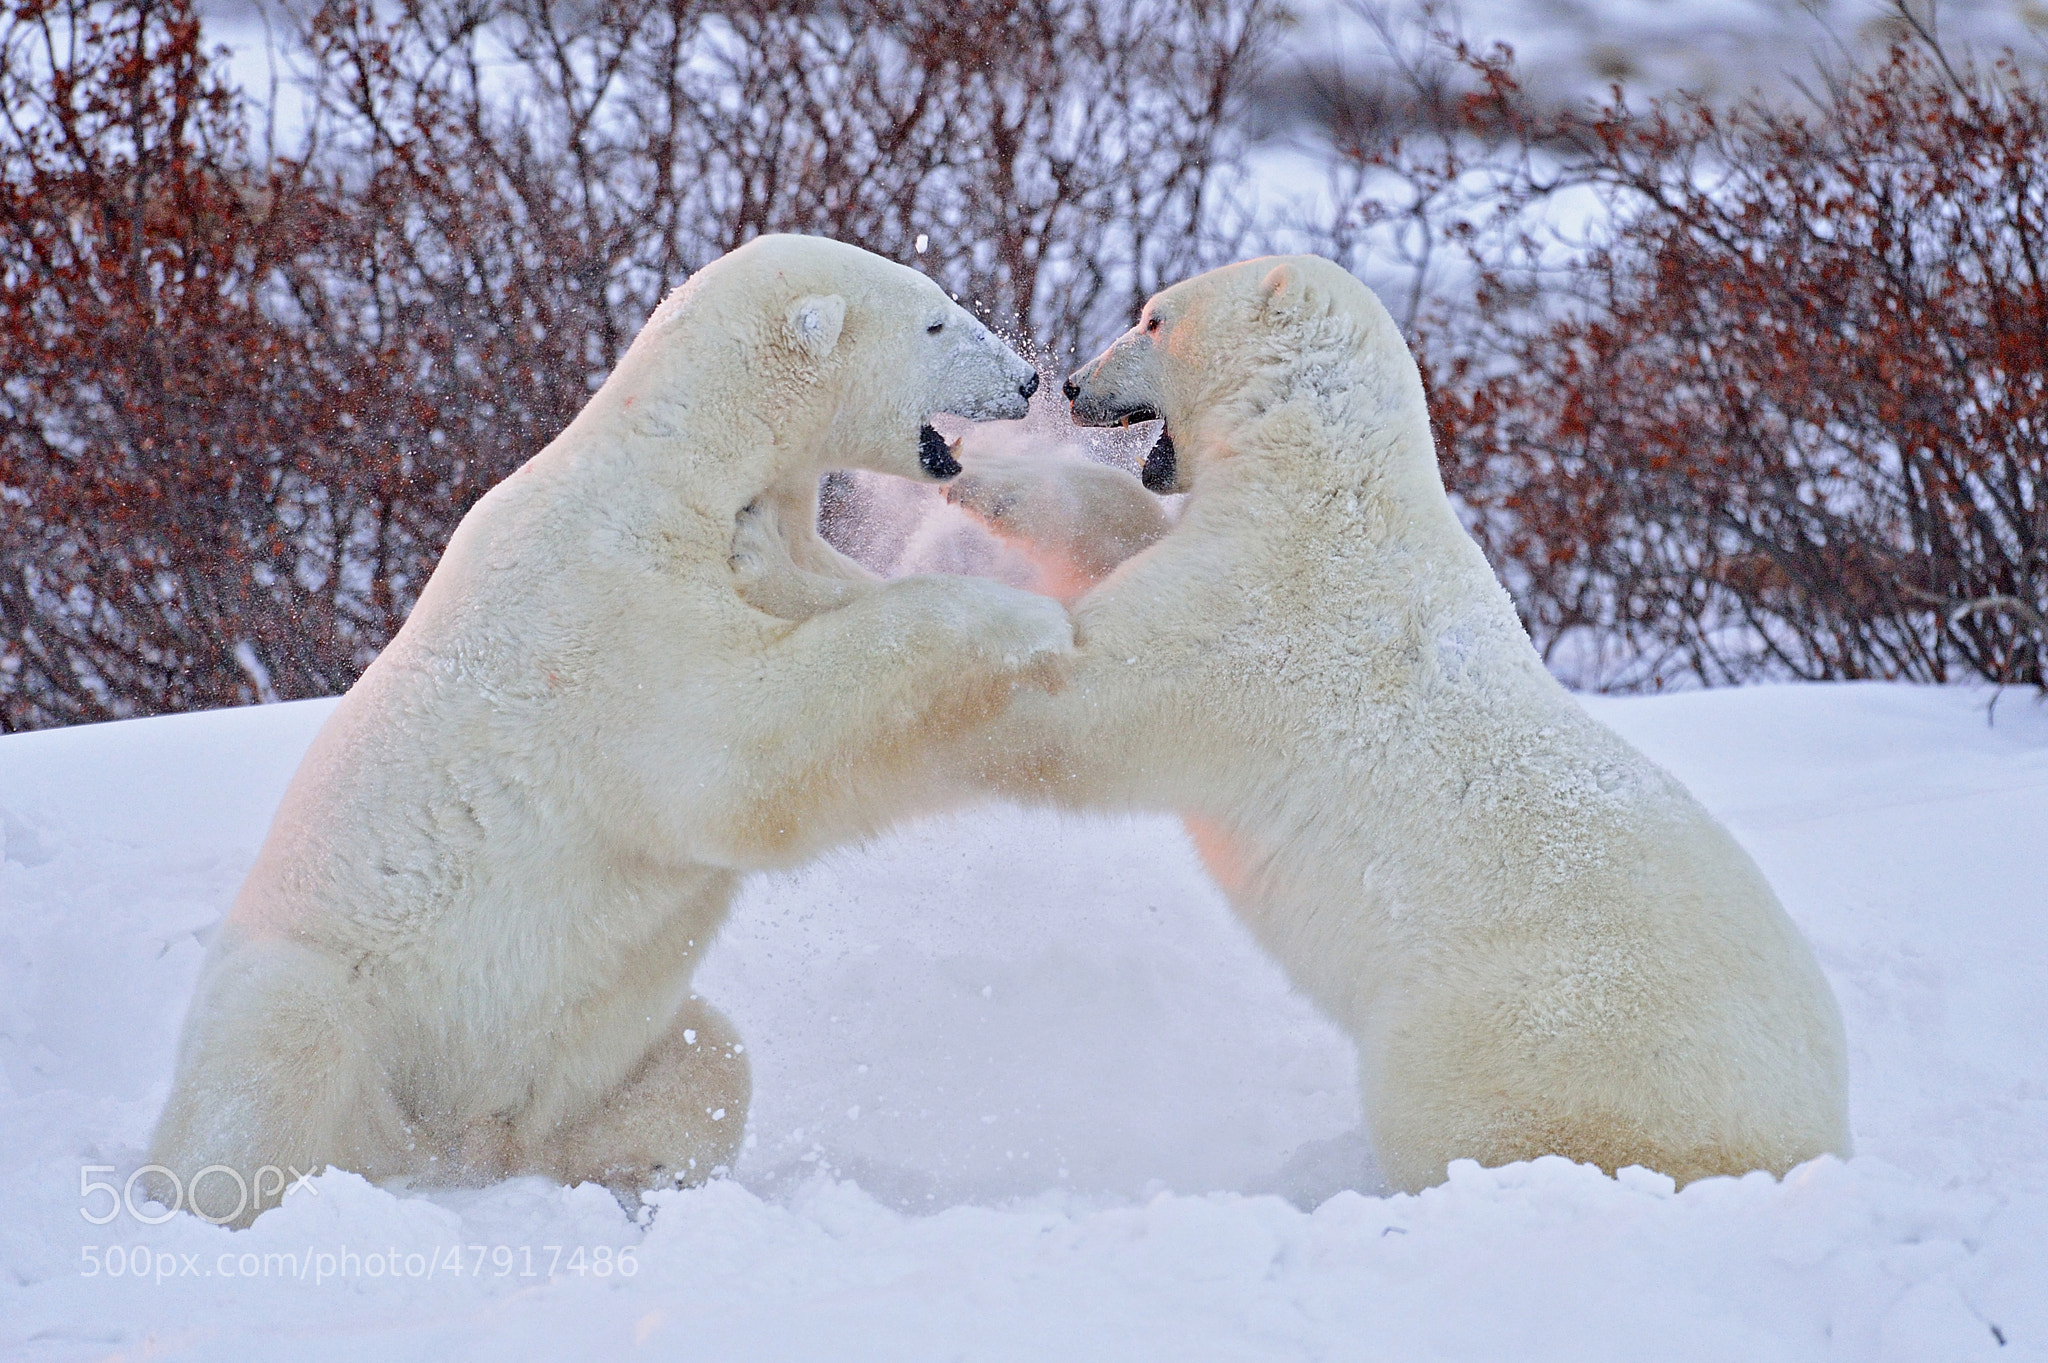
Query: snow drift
(1025,1090)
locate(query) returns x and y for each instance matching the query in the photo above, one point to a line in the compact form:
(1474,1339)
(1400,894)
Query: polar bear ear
(814,322)
(1281,289)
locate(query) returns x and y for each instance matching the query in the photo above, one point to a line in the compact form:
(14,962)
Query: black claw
(1162,465)
(1029,386)
(932,455)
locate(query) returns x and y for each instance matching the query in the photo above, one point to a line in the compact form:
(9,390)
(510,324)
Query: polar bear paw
(1029,630)
(758,549)
(767,577)
(1076,519)
(1027,637)
(1007,491)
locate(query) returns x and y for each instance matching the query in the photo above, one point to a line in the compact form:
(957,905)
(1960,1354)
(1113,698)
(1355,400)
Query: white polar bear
(465,949)
(1540,942)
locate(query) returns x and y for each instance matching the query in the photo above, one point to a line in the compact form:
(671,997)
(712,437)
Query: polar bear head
(847,356)
(1240,339)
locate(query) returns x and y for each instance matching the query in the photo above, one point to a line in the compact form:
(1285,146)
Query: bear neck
(1335,447)
(1330,501)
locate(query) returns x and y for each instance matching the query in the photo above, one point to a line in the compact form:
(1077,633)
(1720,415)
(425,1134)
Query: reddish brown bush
(248,399)
(187,507)
(1780,415)
(1786,412)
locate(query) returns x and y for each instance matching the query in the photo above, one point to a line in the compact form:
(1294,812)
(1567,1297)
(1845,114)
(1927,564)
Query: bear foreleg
(1076,519)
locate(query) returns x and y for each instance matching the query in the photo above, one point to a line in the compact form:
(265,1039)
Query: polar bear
(465,949)
(1539,940)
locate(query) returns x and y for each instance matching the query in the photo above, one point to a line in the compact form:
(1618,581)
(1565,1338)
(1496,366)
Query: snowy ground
(1025,1091)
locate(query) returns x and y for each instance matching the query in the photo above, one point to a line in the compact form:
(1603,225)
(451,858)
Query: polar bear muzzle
(933,456)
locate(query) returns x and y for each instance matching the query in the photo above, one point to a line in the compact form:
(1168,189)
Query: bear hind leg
(676,1120)
(274,1082)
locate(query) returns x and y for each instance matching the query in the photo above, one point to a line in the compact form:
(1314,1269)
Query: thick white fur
(1074,518)
(1541,943)
(465,949)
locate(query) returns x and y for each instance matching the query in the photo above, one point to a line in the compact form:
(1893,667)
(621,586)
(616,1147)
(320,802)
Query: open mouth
(1162,465)
(934,456)
(1090,410)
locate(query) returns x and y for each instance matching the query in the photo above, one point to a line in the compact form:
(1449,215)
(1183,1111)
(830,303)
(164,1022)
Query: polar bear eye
(1152,325)
(935,328)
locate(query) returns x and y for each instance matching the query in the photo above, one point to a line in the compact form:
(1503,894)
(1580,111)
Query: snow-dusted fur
(1074,519)
(466,947)
(1540,941)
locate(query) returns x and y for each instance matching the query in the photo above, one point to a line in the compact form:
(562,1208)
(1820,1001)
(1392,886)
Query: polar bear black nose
(1071,389)
(1029,386)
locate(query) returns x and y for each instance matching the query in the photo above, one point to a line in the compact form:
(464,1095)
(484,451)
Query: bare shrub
(562,165)
(1778,410)
(254,396)
(187,517)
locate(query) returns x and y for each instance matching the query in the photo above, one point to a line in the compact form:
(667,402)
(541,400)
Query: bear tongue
(1162,465)
(933,456)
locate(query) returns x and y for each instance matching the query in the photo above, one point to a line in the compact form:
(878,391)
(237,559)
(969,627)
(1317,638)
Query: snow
(1025,1090)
